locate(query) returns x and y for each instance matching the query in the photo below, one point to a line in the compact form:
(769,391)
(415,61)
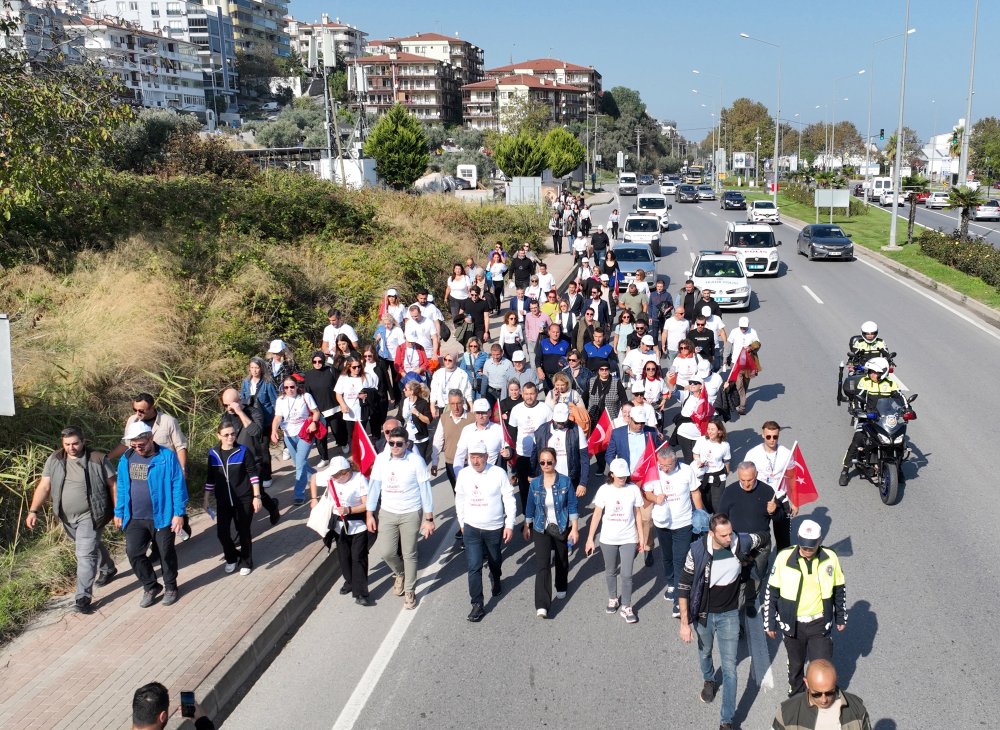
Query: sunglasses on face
(771,438)
(572,359)
(817,695)
(683,349)
(546,463)
(319,362)
(650,370)
(397,444)
(291,387)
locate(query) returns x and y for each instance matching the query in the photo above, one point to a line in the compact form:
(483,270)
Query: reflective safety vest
(784,588)
(879,388)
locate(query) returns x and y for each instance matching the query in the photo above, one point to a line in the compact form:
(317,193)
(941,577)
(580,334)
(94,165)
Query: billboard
(743,161)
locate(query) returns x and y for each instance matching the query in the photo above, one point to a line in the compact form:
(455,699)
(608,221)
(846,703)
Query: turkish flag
(798,482)
(498,418)
(600,436)
(645,470)
(362,450)
(703,413)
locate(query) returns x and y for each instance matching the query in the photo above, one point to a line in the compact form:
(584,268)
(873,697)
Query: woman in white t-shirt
(350,393)
(457,290)
(511,337)
(497,271)
(640,282)
(685,365)
(347,525)
(292,409)
(617,502)
(656,392)
(711,460)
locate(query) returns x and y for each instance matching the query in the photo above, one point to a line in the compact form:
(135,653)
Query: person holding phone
(618,503)
(151,708)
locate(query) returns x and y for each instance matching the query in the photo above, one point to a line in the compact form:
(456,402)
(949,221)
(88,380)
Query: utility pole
(963,160)
(638,151)
(897,168)
(756,159)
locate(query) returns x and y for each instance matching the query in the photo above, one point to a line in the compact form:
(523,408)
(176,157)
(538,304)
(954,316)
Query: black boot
(844,477)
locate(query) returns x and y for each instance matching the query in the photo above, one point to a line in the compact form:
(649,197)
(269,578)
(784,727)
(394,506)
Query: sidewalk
(73,671)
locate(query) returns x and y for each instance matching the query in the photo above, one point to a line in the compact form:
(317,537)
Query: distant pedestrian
(805,598)
(556,231)
(825,705)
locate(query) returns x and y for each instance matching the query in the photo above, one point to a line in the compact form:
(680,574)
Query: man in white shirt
(771,460)
(447,378)
(425,303)
(674,330)
(402,483)
(482,430)
(337,327)
(546,281)
(484,509)
(423,329)
(675,496)
(637,357)
(714,323)
(742,338)
(524,419)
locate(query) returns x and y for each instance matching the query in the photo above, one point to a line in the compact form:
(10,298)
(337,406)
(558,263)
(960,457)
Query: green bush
(975,257)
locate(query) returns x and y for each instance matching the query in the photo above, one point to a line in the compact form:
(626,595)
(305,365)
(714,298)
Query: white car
(886,198)
(628,184)
(988,210)
(654,204)
(937,199)
(668,187)
(723,274)
(762,211)
(642,229)
(755,246)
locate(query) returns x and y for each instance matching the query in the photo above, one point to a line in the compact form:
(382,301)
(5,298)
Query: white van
(628,184)
(754,245)
(654,204)
(877,187)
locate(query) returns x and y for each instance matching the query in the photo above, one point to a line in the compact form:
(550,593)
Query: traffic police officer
(805,597)
(873,386)
(868,344)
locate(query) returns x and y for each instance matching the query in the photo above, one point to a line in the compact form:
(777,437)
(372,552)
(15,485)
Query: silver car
(632,257)
(705,192)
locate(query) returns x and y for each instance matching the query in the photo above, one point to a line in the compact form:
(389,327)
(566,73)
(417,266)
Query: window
(156,25)
(133,5)
(121,7)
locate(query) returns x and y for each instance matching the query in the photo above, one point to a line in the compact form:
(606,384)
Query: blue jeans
(725,627)
(674,546)
(478,542)
(299,449)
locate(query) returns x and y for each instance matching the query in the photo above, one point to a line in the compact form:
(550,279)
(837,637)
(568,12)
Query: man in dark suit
(574,298)
(519,304)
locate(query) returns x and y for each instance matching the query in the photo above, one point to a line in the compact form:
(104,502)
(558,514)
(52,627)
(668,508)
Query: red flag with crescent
(646,470)
(600,436)
(362,450)
(797,481)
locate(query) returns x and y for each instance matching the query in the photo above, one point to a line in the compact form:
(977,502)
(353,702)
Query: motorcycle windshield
(890,412)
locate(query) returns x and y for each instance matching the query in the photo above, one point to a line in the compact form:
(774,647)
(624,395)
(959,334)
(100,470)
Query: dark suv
(733,200)
(646,180)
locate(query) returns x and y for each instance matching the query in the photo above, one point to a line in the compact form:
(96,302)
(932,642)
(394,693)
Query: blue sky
(653,46)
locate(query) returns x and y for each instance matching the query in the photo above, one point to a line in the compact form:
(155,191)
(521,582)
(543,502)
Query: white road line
(691,254)
(715,214)
(355,705)
(811,293)
(684,236)
(920,290)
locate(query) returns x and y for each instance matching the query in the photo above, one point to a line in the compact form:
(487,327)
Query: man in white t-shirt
(337,327)
(675,496)
(771,460)
(484,430)
(674,330)
(524,419)
(546,281)
(447,378)
(485,510)
(423,329)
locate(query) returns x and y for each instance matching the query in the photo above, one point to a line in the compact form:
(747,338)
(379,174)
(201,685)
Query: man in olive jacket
(82,485)
(823,698)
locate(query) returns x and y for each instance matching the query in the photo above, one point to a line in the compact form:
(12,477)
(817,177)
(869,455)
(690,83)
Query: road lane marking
(691,254)
(355,705)
(811,293)
(684,236)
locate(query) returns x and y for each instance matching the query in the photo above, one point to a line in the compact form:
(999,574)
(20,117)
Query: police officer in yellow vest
(871,387)
(868,342)
(805,597)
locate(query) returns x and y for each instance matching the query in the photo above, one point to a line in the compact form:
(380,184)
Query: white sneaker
(542,613)
(285,456)
(322,464)
(560,594)
(246,571)
(230,567)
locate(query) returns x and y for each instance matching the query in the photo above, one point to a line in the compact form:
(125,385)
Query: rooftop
(541,64)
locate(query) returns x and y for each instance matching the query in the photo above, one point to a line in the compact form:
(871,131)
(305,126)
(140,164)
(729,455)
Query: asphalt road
(922,579)
(946,220)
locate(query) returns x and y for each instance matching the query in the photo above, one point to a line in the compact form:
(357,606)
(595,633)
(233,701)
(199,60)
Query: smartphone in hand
(187,704)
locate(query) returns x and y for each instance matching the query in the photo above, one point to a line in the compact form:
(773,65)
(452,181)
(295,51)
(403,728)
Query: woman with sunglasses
(685,366)
(618,502)
(655,389)
(497,269)
(472,362)
(511,335)
(352,390)
(293,408)
(232,479)
(577,373)
(551,518)
(282,360)
(625,327)
(416,415)
(319,382)
(711,462)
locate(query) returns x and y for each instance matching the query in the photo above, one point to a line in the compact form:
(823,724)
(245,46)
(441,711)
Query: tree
(520,155)
(966,199)
(398,145)
(563,152)
(984,146)
(744,119)
(524,114)
(56,122)
(140,146)
(913,184)
(255,70)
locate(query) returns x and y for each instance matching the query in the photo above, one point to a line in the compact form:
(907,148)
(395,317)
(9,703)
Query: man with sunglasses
(805,597)
(703,339)
(771,460)
(824,705)
(673,331)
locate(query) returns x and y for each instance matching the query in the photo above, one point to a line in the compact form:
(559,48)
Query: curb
(220,691)
(987,314)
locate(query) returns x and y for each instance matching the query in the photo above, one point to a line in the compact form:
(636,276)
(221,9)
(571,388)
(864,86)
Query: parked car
(686,193)
(937,199)
(723,274)
(988,210)
(887,198)
(705,192)
(824,241)
(763,211)
(920,196)
(733,200)
(631,257)
(859,190)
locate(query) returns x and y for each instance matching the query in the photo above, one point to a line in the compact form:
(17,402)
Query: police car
(755,246)
(723,274)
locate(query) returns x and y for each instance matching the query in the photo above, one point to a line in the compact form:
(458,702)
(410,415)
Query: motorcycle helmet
(878,365)
(869,330)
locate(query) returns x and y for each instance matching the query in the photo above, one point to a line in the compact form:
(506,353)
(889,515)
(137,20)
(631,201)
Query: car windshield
(687,188)
(719,268)
(734,196)
(705,187)
(828,232)
(653,203)
(642,225)
(633,254)
(627,179)
(762,239)
(764,204)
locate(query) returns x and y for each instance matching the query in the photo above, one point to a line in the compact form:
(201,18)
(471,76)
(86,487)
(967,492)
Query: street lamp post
(717,183)
(897,168)
(963,160)
(777,112)
(871,86)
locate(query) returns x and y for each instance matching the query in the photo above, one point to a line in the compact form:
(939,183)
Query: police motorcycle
(883,432)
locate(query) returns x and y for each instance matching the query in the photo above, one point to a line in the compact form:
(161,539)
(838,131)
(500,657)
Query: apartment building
(425,86)
(347,41)
(159,72)
(258,25)
(38,32)
(484,103)
(465,57)
(560,72)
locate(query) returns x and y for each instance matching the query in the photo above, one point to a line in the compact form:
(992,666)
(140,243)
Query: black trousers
(522,468)
(811,641)
(781,525)
(545,545)
(352,550)
(139,535)
(239,513)
(712,486)
(321,446)
(557,243)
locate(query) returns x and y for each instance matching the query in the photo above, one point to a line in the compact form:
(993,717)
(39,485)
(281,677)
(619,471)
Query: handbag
(319,434)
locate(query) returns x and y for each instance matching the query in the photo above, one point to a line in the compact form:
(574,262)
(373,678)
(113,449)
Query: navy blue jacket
(577,455)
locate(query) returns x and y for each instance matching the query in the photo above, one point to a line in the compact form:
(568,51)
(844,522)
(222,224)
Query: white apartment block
(347,41)
(463,56)
(558,71)
(39,33)
(484,102)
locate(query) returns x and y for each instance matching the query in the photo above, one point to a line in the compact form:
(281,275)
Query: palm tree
(965,198)
(889,152)
(955,143)
(913,184)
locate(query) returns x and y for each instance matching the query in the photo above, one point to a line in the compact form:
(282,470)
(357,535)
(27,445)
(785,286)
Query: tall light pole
(871,86)
(897,168)
(777,113)
(717,182)
(930,171)
(963,160)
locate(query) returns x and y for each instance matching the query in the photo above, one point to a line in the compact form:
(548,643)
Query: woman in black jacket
(378,405)
(319,384)
(232,479)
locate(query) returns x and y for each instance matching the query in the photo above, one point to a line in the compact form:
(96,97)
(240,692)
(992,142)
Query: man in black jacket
(802,711)
(521,269)
(703,339)
(687,298)
(599,241)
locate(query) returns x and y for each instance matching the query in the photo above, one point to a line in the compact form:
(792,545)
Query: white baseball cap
(480,405)
(337,465)
(276,346)
(479,447)
(744,322)
(639,414)
(648,340)
(136,429)
(638,386)
(518,356)
(412,337)
(704,370)
(605,277)
(619,468)
(560,412)
(810,534)
(391,293)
